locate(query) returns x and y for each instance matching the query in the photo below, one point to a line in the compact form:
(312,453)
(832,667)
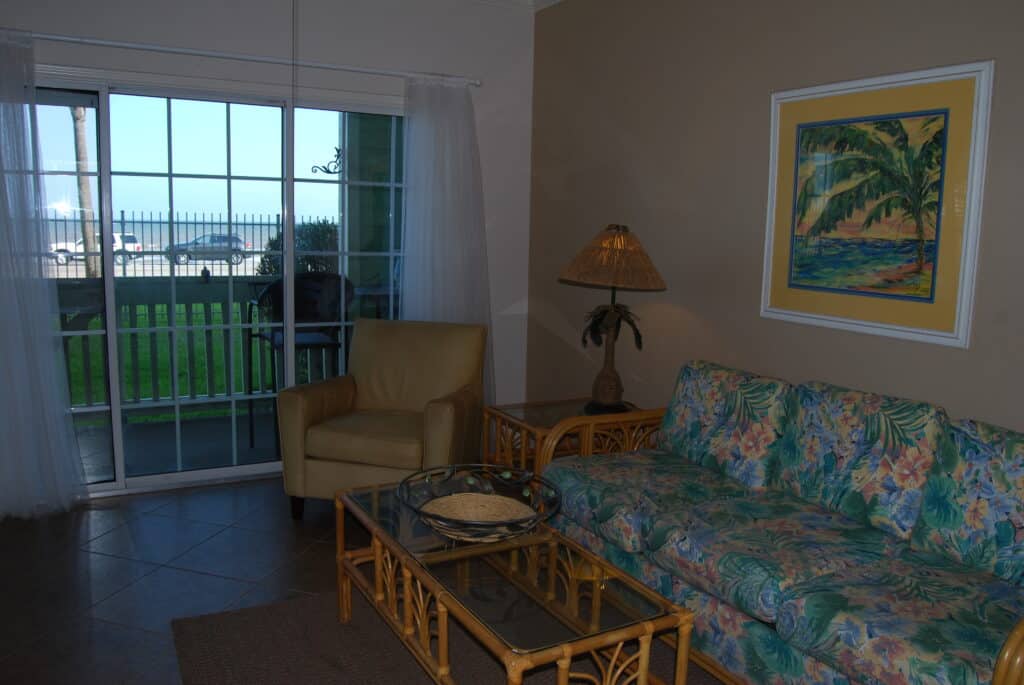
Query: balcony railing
(201,343)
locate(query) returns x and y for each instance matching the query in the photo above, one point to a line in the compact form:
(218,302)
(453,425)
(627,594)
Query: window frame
(105,83)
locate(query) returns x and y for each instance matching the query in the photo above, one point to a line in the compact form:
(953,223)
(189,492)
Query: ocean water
(882,267)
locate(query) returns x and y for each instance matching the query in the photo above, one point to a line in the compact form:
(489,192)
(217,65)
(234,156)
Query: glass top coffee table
(532,600)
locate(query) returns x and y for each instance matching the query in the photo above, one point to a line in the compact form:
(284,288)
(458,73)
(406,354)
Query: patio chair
(412,400)
(318,299)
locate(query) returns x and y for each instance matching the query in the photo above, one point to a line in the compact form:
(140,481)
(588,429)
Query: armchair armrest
(300,407)
(450,428)
(603,433)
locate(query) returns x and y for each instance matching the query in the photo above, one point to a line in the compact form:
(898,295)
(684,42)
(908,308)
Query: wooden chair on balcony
(318,300)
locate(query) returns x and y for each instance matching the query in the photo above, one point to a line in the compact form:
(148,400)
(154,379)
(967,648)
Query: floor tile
(314,571)
(152,538)
(243,554)
(60,594)
(133,505)
(88,523)
(93,651)
(166,594)
(221,505)
(89,578)
(276,517)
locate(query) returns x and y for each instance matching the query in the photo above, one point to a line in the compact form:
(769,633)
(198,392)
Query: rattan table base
(418,607)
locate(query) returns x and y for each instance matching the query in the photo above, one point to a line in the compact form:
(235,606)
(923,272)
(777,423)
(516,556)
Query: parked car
(126,246)
(209,247)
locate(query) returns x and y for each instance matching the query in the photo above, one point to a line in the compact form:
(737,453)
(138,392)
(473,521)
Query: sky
(200,144)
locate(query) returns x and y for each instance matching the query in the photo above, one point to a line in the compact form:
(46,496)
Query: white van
(126,246)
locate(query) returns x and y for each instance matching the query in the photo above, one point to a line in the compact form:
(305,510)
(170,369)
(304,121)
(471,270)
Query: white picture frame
(788,298)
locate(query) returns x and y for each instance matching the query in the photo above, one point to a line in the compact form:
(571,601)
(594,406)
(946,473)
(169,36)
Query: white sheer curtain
(40,468)
(444,270)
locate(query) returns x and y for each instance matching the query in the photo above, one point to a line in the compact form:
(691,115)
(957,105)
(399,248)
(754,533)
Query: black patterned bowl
(480,502)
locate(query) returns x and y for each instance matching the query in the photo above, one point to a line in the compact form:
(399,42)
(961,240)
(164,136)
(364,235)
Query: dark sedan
(210,247)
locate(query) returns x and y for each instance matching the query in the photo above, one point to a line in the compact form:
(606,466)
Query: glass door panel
(186,316)
(68,144)
(346,213)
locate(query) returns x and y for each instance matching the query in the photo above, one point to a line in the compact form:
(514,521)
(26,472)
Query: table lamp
(614,259)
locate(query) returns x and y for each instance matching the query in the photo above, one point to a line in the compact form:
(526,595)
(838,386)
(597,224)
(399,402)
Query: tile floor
(88,596)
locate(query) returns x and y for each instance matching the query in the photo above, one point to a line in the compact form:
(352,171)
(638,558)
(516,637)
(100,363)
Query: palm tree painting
(867,206)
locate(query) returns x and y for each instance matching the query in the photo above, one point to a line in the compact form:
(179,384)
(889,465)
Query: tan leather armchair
(412,400)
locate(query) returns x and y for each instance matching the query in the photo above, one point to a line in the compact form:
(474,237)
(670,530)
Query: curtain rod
(251,58)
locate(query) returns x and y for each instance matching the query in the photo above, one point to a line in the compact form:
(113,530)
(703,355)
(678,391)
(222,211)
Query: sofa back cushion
(725,419)
(973,509)
(861,454)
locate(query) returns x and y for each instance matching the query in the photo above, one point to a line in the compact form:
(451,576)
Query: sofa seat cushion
(973,509)
(378,437)
(617,496)
(751,552)
(725,419)
(915,618)
(749,649)
(862,454)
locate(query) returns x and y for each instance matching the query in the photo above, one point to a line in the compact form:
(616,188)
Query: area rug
(300,641)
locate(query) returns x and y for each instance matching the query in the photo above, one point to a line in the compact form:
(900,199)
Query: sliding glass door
(190,257)
(69,170)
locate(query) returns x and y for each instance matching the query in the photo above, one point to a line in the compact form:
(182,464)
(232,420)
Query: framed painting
(874,203)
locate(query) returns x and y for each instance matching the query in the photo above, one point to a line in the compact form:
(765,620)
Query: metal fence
(143,241)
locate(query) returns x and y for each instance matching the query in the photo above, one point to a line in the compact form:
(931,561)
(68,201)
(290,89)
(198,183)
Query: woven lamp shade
(614,259)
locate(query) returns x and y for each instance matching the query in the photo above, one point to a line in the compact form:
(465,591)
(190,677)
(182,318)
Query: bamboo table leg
(563,670)
(344,582)
(683,651)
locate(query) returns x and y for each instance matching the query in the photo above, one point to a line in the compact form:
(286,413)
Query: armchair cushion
(406,364)
(378,437)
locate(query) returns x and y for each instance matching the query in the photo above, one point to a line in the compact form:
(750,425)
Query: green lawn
(145,358)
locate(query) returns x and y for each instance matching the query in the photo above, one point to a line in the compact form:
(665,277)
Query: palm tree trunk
(93,266)
(607,388)
(920,244)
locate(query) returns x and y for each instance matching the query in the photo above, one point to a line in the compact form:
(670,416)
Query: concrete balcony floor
(151,446)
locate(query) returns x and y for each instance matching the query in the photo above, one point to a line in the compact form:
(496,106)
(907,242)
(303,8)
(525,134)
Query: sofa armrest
(448,428)
(300,407)
(603,433)
(1009,668)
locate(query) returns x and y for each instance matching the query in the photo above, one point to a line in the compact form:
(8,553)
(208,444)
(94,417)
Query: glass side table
(513,434)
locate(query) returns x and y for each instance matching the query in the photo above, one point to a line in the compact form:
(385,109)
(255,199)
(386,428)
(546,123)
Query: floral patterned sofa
(819,534)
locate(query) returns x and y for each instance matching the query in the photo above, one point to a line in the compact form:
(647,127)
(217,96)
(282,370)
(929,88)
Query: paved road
(158,265)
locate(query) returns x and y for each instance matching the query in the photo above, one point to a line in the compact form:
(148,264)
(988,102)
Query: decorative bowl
(480,502)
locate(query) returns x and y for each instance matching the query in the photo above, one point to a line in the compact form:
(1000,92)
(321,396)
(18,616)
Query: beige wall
(656,114)
(484,39)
